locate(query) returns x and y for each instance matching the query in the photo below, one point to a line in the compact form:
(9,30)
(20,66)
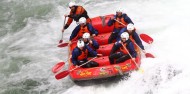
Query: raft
(105,69)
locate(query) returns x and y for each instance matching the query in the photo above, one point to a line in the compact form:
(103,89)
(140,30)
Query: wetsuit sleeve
(92,29)
(91,51)
(75,32)
(111,22)
(127,19)
(70,20)
(137,40)
(95,44)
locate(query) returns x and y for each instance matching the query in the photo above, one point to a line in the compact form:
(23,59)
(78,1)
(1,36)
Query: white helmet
(71,4)
(119,10)
(130,26)
(80,43)
(125,35)
(82,20)
(86,35)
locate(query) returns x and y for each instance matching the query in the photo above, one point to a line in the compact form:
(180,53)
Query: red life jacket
(82,31)
(83,55)
(118,25)
(79,10)
(122,49)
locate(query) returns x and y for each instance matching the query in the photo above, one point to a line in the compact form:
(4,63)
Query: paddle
(63,44)
(141,70)
(66,72)
(146,54)
(58,67)
(61,40)
(146,38)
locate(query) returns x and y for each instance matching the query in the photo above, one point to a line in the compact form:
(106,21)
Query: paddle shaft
(140,48)
(63,28)
(82,64)
(120,22)
(130,55)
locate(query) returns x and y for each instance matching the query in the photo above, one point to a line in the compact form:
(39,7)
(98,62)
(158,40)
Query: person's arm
(92,29)
(91,51)
(74,57)
(131,49)
(75,32)
(95,44)
(127,19)
(70,20)
(111,21)
(137,40)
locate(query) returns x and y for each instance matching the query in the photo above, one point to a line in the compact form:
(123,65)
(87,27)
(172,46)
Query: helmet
(125,35)
(119,10)
(80,43)
(71,4)
(82,20)
(86,35)
(130,26)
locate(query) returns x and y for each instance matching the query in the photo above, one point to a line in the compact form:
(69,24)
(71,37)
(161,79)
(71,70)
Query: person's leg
(82,62)
(89,64)
(122,58)
(92,64)
(112,37)
(114,56)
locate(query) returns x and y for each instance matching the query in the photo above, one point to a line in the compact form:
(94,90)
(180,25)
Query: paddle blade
(61,75)
(58,67)
(63,45)
(146,38)
(149,55)
(60,41)
(141,70)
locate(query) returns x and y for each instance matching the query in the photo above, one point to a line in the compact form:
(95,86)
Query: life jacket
(119,25)
(122,49)
(83,55)
(82,31)
(78,10)
(81,10)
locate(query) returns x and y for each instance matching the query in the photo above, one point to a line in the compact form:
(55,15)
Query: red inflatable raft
(105,69)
